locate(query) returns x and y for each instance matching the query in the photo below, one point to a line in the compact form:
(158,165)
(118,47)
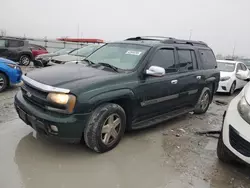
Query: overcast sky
(220,23)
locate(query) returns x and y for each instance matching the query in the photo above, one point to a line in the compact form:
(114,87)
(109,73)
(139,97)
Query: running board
(161,118)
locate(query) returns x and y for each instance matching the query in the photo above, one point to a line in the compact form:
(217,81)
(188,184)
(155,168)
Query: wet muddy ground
(169,155)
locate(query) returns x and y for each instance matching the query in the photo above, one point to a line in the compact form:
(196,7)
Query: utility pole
(78,30)
(190,34)
(234,49)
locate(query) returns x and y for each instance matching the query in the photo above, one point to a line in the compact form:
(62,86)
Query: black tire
(3,82)
(38,63)
(25,60)
(199,107)
(223,153)
(93,135)
(232,88)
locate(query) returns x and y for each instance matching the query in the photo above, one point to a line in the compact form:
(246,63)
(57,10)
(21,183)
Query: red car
(37,50)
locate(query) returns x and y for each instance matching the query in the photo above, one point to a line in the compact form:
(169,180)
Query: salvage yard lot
(168,155)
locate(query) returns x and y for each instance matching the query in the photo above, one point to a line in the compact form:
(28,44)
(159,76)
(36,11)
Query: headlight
(12,65)
(63,101)
(244,109)
(224,78)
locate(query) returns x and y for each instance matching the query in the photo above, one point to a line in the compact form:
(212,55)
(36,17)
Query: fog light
(54,128)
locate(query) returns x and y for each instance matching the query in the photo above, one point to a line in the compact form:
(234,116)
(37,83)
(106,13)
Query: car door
(189,77)
(14,47)
(3,48)
(159,95)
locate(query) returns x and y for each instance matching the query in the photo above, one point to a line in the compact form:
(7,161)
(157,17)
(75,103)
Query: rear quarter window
(208,59)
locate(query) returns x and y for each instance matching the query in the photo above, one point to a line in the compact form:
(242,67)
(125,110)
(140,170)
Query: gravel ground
(169,155)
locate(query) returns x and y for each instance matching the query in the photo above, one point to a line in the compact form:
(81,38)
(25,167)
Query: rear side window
(208,59)
(186,60)
(15,43)
(2,43)
(164,58)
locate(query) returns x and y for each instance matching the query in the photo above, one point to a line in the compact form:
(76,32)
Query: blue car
(10,73)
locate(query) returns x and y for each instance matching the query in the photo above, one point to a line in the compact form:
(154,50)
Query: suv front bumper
(70,127)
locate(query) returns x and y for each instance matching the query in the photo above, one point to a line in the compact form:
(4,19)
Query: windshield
(246,61)
(122,56)
(85,51)
(226,67)
(63,51)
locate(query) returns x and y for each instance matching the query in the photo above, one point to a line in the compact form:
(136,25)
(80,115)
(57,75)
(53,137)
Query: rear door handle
(198,77)
(174,81)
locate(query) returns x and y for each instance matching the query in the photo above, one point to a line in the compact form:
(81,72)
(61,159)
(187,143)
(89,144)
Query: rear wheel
(232,89)
(24,60)
(3,82)
(105,127)
(203,102)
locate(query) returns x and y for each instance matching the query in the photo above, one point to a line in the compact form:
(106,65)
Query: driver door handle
(174,81)
(198,77)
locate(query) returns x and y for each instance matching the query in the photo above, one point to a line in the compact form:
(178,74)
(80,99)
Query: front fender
(5,69)
(111,96)
(89,101)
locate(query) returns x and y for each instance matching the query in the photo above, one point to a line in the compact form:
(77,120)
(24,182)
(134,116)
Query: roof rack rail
(190,42)
(168,40)
(156,38)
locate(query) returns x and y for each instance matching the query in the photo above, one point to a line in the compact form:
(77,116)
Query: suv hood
(67,57)
(70,76)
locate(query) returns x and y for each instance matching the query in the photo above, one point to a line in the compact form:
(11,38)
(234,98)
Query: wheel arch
(124,98)
(25,53)
(8,79)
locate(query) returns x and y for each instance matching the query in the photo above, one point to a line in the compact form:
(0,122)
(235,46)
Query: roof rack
(168,40)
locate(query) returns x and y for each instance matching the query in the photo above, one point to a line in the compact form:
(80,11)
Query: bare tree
(3,32)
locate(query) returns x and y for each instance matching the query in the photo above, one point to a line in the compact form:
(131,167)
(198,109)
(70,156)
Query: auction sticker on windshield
(130,52)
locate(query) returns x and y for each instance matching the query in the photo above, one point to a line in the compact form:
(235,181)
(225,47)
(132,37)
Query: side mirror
(155,71)
(242,75)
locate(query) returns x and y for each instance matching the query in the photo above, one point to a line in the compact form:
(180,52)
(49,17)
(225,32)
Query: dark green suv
(124,85)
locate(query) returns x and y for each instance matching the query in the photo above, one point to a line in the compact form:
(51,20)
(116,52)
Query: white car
(234,141)
(229,81)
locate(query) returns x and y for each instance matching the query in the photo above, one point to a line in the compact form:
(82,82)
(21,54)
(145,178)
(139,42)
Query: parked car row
(66,55)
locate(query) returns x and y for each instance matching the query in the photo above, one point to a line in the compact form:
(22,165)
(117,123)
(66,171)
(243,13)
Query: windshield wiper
(109,66)
(89,62)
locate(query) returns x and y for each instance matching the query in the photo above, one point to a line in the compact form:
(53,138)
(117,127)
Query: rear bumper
(70,127)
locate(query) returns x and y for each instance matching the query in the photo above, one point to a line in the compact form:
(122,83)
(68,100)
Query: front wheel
(222,152)
(105,127)
(232,89)
(3,82)
(203,102)
(24,60)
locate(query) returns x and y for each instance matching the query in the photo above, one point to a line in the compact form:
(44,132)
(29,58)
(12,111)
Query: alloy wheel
(204,101)
(25,60)
(111,129)
(1,82)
